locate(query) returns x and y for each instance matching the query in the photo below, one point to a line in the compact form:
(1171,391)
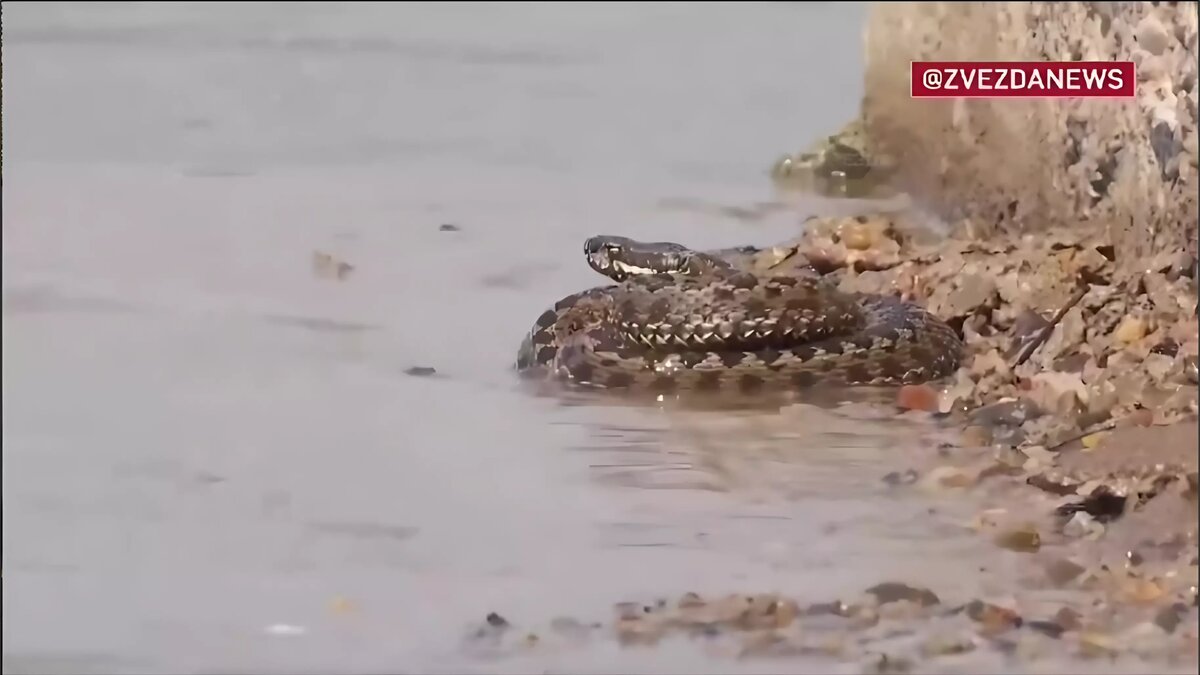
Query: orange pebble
(917,397)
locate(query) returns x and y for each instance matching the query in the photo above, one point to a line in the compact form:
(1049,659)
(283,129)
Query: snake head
(620,258)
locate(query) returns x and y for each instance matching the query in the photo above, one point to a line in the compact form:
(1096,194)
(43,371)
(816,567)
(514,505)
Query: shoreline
(1075,410)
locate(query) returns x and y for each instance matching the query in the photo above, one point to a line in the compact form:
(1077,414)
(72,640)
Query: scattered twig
(1107,426)
(1043,334)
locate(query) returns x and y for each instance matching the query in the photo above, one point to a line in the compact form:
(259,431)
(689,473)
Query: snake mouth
(599,256)
(627,270)
(620,258)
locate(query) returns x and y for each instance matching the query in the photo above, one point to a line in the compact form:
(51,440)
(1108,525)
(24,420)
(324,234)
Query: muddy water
(214,458)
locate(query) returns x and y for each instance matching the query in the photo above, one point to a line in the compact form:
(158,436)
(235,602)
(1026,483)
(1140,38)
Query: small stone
(784,613)
(448,227)
(1094,644)
(1068,619)
(767,611)
(325,265)
(900,610)
(863,617)
(992,619)
(1131,330)
(1061,571)
(1024,539)
(897,478)
(1159,366)
(1168,618)
(856,237)
(636,630)
(421,371)
(1081,525)
(1151,35)
(1142,591)
(496,621)
(891,591)
(1060,393)
(1047,628)
(1143,417)
(971,293)
(917,397)
(731,610)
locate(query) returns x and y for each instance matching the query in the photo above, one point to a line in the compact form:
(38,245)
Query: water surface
(214,459)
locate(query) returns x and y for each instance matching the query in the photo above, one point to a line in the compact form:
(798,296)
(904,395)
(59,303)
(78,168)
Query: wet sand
(214,459)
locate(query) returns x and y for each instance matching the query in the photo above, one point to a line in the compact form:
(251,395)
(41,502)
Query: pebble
(917,397)
(992,619)
(1094,644)
(891,591)
(1068,619)
(897,478)
(858,236)
(1168,618)
(1024,539)
(1082,525)
(1047,628)
(1151,35)
(1142,418)
(864,617)
(1142,591)
(326,266)
(972,292)
(1131,330)
(1061,571)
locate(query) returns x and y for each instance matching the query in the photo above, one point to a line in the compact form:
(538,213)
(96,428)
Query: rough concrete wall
(994,165)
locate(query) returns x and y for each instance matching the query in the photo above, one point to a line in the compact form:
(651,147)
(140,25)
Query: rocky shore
(1068,259)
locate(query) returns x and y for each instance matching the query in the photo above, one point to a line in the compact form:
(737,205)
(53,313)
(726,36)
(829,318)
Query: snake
(682,319)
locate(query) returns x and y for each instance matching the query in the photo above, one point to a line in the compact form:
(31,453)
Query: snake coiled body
(681,319)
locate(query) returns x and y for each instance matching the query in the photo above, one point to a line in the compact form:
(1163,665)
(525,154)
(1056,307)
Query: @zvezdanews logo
(1023,79)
